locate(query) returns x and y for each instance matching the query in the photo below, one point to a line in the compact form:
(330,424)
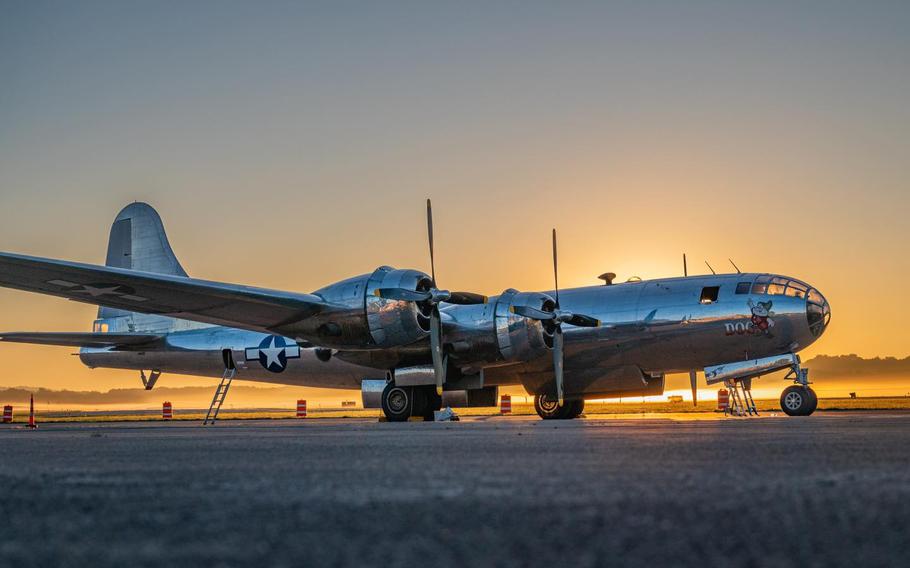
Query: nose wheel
(798,400)
(550,409)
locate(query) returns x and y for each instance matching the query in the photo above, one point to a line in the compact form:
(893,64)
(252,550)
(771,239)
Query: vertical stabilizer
(138,242)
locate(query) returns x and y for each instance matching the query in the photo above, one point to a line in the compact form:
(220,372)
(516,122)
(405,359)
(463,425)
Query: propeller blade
(466,298)
(430,238)
(555,270)
(402,294)
(693,380)
(532,313)
(439,363)
(580,320)
(557,364)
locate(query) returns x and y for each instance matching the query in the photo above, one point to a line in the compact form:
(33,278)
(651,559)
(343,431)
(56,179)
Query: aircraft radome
(408,344)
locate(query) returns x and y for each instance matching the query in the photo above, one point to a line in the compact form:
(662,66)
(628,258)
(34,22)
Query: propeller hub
(439,296)
(562,316)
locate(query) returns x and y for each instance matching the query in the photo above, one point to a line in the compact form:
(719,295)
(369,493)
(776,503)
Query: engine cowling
(366,321)
(519,338)
(493,335)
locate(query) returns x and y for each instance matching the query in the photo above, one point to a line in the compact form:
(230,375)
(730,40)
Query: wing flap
(75,339)
(244,307)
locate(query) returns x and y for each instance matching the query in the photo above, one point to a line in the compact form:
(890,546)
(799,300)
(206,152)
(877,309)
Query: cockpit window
(818,311)
(709,294)
(743,287)
(776,289)
(815,297)
(780,286)
(761,284)
(796,289)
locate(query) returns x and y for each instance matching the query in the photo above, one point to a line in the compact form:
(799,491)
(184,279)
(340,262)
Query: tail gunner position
(407,344)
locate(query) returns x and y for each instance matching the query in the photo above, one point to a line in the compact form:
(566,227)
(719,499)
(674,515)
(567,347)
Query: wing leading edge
(243,307)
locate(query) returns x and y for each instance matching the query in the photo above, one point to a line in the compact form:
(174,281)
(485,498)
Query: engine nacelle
(492,335)
(394,322)
(519,338)
(367,321)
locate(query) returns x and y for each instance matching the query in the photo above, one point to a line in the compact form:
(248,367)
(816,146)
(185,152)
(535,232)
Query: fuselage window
(709,294)
(743,287)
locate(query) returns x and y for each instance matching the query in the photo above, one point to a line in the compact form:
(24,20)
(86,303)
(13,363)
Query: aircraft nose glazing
(818,312)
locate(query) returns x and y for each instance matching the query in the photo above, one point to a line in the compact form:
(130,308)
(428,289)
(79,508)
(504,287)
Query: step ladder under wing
(230,371)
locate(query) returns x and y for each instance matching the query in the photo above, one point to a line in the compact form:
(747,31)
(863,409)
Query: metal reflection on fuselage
(658,326)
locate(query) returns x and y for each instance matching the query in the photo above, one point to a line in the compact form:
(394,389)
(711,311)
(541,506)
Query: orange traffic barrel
(167,411)
(7,414)
(505,404)
(723,399)
(301,409)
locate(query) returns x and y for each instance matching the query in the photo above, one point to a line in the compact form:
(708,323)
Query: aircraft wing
(243,307)
(67,339)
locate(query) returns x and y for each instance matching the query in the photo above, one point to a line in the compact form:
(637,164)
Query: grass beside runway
(705,409)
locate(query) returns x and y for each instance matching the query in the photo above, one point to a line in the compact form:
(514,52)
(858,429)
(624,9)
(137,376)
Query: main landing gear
(798,399)
(401,403)
(549,409)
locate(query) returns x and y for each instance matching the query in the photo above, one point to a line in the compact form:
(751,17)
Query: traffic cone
(31,412)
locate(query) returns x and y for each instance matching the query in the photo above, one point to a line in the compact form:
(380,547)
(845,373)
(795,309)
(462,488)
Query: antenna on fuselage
(711,269)
(738,271)
(685,268)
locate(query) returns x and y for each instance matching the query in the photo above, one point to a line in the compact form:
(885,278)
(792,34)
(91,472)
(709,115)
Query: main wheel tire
(814,401)
(397,402)
(798,401)
(550,410)
(577,406)
(546,408)
(427,401)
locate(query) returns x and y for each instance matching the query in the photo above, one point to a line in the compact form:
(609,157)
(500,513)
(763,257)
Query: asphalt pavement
(828,490)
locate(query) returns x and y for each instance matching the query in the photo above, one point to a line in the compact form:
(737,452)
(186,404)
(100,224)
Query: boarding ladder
(741,401)
(230,371)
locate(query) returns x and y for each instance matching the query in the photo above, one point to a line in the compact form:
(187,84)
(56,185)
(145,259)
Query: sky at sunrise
(293,144)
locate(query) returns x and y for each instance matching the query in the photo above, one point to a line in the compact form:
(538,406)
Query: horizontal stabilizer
(98,340)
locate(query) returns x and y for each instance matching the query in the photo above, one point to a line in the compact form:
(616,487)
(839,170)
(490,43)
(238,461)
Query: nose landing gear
(798,399)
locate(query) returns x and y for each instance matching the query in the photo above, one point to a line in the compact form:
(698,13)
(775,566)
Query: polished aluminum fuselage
(657,326)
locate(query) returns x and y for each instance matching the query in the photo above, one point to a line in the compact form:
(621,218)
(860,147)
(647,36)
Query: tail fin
(138,242)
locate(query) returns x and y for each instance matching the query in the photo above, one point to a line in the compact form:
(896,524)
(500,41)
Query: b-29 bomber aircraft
(411,346)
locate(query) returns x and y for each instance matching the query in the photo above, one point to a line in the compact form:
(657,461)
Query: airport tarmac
(828,490)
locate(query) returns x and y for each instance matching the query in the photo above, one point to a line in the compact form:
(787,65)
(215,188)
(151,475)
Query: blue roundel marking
(273,353)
